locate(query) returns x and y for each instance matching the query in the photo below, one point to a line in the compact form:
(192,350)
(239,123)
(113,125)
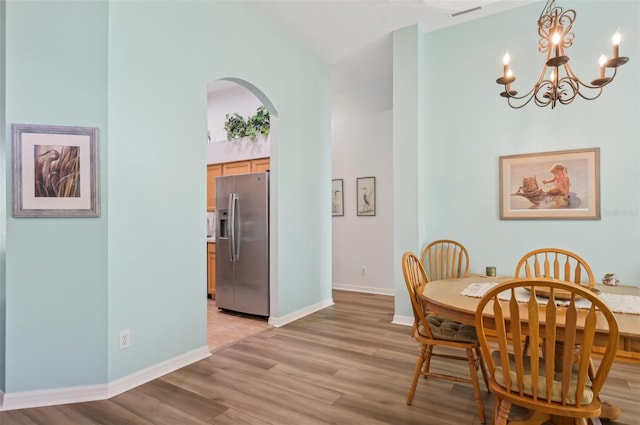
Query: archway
(225,97)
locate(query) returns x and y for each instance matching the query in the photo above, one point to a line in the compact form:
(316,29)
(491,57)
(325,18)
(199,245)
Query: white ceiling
(335,29)
(354,36)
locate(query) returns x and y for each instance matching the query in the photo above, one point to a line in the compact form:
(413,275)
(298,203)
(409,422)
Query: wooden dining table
(444,297)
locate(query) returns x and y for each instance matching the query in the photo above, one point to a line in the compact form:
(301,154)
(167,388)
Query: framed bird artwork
(55,171)
(366,196)
(337,198)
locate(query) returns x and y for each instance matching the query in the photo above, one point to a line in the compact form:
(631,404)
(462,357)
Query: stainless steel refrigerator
(242,243)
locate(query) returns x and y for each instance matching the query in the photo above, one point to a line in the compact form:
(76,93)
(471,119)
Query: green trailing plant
(259,123)
(237,127)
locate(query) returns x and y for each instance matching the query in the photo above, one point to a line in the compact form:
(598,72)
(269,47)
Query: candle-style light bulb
(616,43)
(509,75)
(555,38)
(505,60)
(602,61)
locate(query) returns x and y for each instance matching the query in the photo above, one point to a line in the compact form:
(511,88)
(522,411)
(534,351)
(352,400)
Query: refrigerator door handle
(236,227)
(233,198)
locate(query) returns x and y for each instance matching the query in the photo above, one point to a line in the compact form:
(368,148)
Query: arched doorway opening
(226,97)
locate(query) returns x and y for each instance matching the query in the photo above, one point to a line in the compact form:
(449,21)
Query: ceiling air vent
(462,12)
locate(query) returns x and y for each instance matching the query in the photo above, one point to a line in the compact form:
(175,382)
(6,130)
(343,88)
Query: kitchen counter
(211,239)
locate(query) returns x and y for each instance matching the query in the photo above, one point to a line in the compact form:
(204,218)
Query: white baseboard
(402,320)
(149,374)
(366,289)
(39,398)
(28,399)
(291,317)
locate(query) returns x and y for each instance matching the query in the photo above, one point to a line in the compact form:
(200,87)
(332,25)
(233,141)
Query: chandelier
(561,84)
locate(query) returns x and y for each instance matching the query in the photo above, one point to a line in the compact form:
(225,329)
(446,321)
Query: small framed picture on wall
(366,196)
(337,198)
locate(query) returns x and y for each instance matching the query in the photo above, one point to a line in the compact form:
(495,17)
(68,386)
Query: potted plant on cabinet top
(237,127)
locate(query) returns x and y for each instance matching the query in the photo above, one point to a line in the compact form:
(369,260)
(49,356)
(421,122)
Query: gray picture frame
(337,197)
(366,196)
(55,171)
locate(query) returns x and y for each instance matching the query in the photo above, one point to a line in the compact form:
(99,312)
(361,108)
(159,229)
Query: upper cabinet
(238,167)
(260,165)
(213,171)
(230,168)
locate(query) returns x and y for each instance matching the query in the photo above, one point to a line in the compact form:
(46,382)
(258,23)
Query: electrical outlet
(363,271)
(125,339)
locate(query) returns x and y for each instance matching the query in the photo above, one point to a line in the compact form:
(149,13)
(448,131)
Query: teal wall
(157,124)
(3,205)
(468,127)
(408,148)
(139,72)
(56,268)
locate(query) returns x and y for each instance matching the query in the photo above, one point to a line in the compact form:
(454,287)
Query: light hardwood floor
(346,364)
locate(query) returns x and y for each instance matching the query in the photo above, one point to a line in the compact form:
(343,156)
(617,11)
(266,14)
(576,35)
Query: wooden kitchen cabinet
(211,270)
(260,165)
(231,168)
(238,167)
(213,171)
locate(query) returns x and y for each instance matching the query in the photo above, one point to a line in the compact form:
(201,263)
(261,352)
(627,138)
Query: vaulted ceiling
(354,36)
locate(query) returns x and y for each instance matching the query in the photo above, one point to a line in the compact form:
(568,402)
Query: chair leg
(501,412)
(494,415)
(483,368)
(473,371)
(427,361)
(416,374)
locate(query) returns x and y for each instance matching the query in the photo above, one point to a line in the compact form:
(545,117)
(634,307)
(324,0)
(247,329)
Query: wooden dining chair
(430,330)
(555,263)
(445,259)
(557,382)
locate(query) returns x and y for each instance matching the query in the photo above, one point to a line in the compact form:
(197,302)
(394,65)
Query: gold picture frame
(551,185)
